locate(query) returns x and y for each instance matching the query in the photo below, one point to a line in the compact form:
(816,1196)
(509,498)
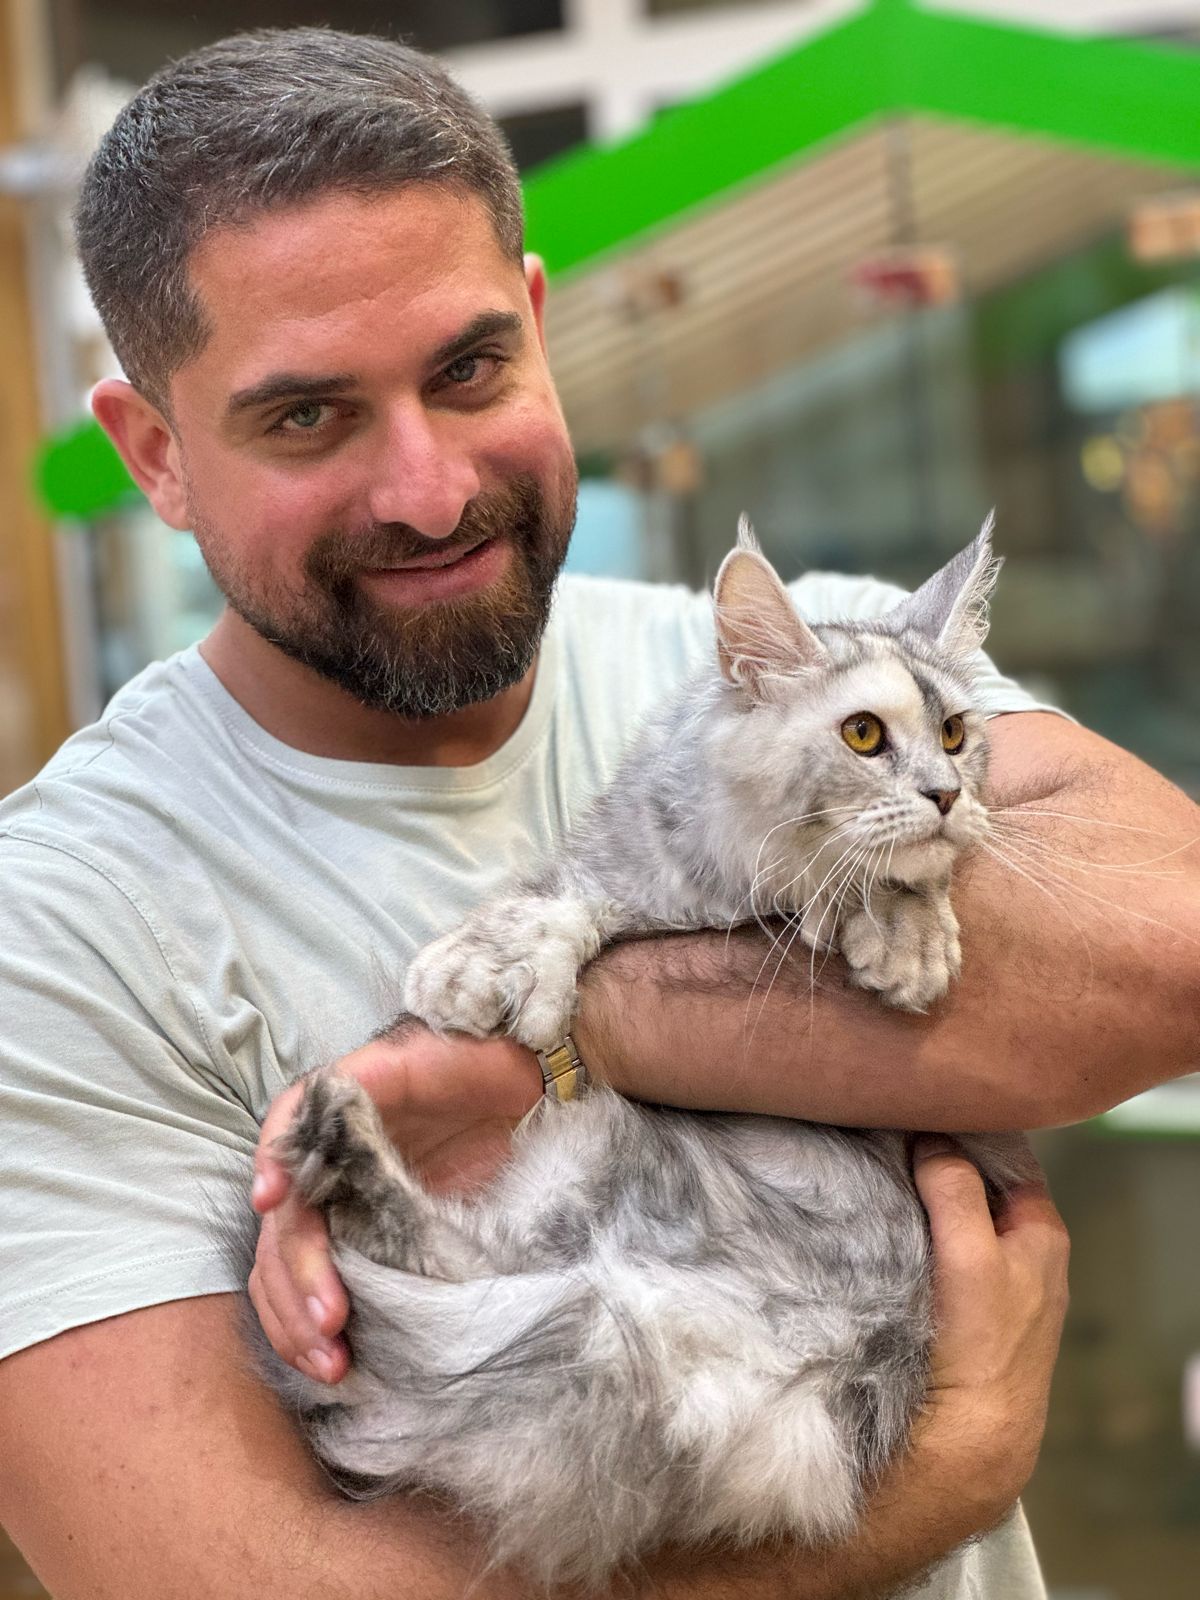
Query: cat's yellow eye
(954,735)
(864,733)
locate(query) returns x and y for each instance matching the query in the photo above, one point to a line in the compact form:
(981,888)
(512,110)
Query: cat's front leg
(904,944)
(510,968)
(343,1162)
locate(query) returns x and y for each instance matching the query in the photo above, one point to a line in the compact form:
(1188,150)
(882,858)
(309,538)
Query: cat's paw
(510,969)
(336,1134)
(905,947)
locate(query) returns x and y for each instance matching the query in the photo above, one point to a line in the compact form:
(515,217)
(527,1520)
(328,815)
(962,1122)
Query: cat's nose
(943,799)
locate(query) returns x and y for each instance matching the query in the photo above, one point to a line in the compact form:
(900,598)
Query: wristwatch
(564,1075)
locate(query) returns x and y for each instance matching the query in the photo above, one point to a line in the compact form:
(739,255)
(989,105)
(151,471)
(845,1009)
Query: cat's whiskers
(835,903)
(757,915)
(872,878)
(836,836)
(1068,816)
(1009,826)
(1006,861)
(894,821)
(797,918)
(805,816)
(787,915)
(1041,864)
(829,811)
(763,873)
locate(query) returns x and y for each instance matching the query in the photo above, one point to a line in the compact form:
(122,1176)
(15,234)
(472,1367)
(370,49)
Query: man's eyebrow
(287,386)
(298,386)
(485,326)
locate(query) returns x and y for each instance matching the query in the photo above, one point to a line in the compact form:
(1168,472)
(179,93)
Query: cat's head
(865,733)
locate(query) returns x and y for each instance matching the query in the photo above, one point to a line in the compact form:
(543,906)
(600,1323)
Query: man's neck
(308,712)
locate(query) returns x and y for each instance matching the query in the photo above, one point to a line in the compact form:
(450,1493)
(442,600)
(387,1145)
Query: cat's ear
(760,636)
(951,608)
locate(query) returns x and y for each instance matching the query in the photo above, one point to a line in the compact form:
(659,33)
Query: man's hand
(450,1107)
(1000,1292)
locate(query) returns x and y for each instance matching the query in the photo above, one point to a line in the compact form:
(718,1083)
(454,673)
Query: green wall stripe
(597,200)
(1122,97)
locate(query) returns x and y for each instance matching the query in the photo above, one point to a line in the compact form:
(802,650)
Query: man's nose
(943,799)
(422,477)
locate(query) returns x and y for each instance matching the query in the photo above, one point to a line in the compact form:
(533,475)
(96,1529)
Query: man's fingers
(295,1278)
(302,1242)
(327,1361)
(954,1197)
(1031,1232)
(1029,1206)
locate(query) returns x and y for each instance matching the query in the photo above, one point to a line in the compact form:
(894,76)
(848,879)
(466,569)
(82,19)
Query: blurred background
(863,270)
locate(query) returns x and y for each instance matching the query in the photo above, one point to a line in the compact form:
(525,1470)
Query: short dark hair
(257,121)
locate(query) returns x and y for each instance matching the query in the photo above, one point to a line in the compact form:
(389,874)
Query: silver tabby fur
(663,1326)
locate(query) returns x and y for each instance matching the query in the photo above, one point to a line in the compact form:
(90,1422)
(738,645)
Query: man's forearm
(1080,984)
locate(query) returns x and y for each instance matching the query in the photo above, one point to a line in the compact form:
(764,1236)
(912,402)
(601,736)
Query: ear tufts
(951,608)
(747,539)
(971,618)
(761,637)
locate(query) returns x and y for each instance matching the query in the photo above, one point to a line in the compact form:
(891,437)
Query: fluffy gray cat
(659,1325)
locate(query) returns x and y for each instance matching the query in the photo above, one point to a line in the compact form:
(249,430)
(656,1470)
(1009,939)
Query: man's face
(375,463)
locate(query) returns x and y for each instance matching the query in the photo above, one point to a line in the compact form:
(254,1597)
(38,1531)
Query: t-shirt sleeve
(120,1142)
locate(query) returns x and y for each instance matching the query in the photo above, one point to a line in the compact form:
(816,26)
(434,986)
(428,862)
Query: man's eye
(472,371)
(307,417)
(463,370)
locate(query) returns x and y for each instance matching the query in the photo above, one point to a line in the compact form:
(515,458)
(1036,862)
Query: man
(307,252)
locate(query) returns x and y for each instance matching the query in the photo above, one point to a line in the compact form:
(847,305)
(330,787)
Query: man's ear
(146,445)
(536,283)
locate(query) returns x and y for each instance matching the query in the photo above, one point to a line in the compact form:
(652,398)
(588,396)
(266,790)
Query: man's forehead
(320,234)
(338,282)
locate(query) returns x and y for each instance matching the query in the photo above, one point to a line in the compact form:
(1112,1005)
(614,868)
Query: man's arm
(1081,972)
(140,1459)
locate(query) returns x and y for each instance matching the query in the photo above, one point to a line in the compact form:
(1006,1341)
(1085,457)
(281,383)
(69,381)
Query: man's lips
(441,574)
(432,560)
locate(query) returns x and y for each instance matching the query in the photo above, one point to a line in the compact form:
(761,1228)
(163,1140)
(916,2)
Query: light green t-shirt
(193,913)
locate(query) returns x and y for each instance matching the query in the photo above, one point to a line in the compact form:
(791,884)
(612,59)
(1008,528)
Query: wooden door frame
(34,716)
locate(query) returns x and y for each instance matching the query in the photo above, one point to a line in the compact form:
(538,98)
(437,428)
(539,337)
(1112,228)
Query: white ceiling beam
(615,49)
(1080,16)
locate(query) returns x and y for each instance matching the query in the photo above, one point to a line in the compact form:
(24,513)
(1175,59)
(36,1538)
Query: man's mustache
(338,555)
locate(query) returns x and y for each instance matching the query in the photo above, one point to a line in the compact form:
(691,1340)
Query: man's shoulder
(585,599)
(114,792)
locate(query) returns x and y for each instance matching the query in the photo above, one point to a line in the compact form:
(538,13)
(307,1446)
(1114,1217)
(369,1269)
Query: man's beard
(421,661)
